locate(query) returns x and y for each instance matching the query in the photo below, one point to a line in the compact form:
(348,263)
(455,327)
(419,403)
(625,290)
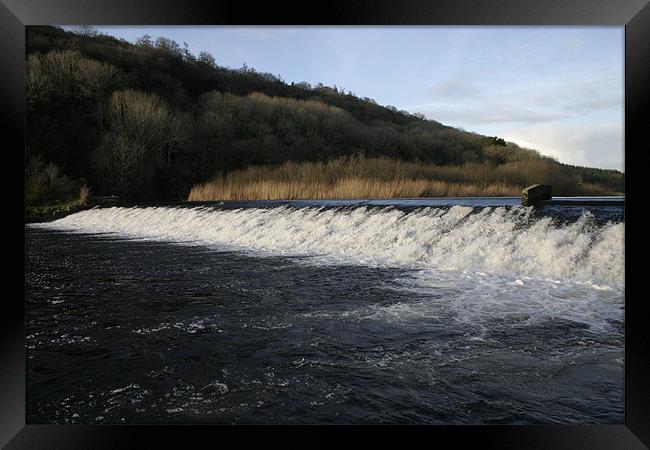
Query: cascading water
(330,313)
(499,240)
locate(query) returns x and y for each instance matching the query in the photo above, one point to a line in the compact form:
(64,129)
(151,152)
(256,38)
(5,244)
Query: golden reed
(360,177)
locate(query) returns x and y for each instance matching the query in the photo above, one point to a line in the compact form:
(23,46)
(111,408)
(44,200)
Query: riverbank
(55,211)
(47,213)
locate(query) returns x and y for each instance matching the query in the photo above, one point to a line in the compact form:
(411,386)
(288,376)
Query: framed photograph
(368,214)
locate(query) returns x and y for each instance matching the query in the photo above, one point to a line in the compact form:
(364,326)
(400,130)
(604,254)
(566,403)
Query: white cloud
(574,43)
(580,96)
(596,145)
(525,101)
(471,116)
(455,89)
(575,117)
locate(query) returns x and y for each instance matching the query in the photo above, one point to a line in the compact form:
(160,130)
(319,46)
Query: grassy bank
(359,177)
(45,213)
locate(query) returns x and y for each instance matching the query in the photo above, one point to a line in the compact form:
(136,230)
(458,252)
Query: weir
(541,195)
(492,239)
(535,194)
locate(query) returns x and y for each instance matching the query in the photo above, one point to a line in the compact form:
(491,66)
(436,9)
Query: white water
(490,242)
(494,303)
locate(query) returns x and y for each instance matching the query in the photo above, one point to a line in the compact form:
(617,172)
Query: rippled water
(326,313)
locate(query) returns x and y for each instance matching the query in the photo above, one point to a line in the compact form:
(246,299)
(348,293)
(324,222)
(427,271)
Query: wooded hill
(147,121)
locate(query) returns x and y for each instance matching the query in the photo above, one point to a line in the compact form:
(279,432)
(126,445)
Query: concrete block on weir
(535,193)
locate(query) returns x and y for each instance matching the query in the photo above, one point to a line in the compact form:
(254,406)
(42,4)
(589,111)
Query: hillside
(148,121)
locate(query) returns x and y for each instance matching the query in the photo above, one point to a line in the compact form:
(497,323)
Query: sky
(558,90)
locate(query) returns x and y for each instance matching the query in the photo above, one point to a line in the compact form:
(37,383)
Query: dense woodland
(150,120)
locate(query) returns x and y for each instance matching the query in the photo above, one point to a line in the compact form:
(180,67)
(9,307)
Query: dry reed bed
(348,188)
(360,177)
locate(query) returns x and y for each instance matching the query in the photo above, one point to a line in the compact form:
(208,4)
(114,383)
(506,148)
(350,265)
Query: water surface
(327,312)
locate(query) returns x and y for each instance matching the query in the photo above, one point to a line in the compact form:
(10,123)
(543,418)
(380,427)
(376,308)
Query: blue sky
(555,89)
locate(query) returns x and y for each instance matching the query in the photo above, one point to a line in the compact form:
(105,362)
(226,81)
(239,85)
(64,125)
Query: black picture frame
(634,15)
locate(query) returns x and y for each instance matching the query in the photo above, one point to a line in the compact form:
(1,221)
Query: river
(437,311)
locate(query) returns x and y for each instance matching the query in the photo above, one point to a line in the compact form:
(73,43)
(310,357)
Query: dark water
(121,331)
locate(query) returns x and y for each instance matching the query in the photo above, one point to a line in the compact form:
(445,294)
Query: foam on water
(499,240)
(497,303)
